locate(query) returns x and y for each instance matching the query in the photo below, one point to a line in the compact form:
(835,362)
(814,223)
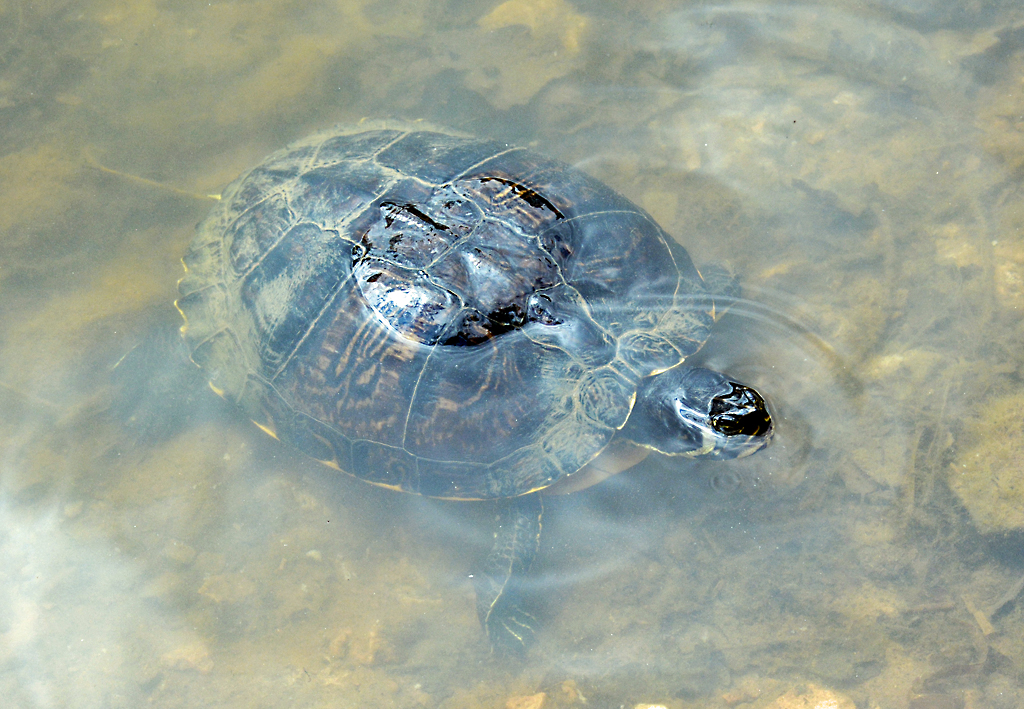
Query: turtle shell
(435,313)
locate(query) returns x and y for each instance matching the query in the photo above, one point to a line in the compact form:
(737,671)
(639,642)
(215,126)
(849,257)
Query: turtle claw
(511,630)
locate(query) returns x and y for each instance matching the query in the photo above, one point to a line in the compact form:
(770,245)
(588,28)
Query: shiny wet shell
(435,313)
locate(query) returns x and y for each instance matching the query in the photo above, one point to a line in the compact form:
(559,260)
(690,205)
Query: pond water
(858,164)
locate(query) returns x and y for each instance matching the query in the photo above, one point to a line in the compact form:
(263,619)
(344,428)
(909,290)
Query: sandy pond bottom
(858,165)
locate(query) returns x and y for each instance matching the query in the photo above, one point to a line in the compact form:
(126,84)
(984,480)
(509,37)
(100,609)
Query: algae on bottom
(988,477)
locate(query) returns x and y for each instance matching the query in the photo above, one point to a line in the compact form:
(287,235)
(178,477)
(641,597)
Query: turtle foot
(511,630)
(499,584)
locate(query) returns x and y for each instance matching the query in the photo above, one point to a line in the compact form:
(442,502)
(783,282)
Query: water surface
(858,164)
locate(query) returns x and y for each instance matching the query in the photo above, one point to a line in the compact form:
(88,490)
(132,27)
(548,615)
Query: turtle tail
(499,584)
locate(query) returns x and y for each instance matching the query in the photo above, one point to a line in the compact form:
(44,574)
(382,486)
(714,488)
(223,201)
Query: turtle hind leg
(156,390)
(499,583)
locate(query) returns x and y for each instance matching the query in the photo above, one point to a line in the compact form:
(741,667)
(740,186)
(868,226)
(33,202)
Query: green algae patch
(988,477)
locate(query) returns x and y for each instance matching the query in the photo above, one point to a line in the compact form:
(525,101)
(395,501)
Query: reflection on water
(858,164)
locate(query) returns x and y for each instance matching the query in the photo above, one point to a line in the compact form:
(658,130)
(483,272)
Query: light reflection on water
(858,164)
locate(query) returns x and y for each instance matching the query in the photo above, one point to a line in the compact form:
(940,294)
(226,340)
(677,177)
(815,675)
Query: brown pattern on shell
(366,296)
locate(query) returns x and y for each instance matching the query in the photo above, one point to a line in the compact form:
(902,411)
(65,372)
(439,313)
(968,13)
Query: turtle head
(694,411)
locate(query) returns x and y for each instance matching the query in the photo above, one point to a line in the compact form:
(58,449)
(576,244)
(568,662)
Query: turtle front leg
(499,584)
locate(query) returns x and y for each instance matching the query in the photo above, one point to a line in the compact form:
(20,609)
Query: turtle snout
(741,412)
(694,412)
(737,421)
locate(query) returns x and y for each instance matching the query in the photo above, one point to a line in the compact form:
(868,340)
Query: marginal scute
(348,145)
(433,313)
(259,185)
(287,163)
(385,465)
(256,230)
(210,353)
(202,264)
(447,479)
(436,157)
(535,470)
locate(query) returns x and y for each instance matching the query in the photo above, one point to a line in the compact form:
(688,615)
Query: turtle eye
(741,412)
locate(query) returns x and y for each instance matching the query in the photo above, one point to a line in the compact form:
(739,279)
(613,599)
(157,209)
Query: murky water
(859,164)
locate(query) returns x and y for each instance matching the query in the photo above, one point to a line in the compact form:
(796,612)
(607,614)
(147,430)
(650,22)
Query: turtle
(459,318)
